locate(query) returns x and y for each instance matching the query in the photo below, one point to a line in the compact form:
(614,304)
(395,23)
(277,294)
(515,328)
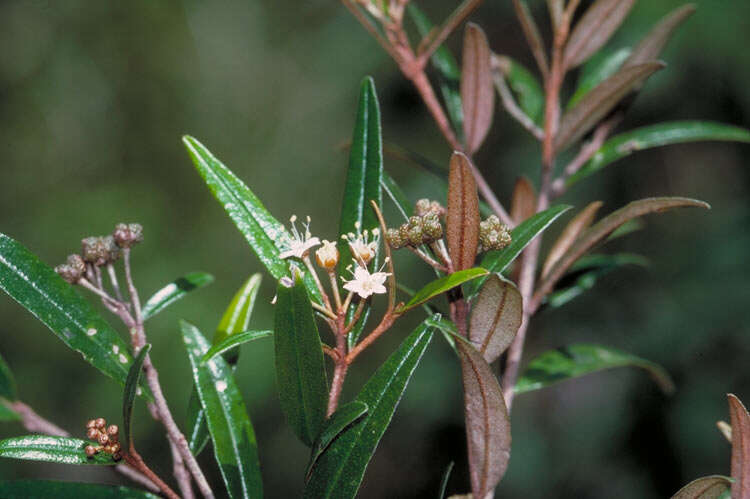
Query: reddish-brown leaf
(496,315)
(487,422)
(600,230)
(652,44)
(598,103)
(708,487)
(462,219)
(740,420)
(531,31)
(596,26)
(569,235)
(477,91)
(523,204)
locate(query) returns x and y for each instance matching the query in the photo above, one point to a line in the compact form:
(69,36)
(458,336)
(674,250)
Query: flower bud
(425,206)
(113,431)
(92,434)
(395,241)
(90,451)
(493,234)
(128,235)
(114,448)
(433,230)
(69,274)
(97,250)
(101,423)
(327,256)
(91,423)
(103,439)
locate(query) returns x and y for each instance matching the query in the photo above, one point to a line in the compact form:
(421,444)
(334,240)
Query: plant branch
(386,322)
(433,41)
(180,472)
(136,461)
(428,259)
(509,103)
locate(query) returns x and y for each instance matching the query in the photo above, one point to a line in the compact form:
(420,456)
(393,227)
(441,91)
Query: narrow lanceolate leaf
(235,341)
(340,468)
(234,321)
(596,71)
(740,420)
(523,202)
(261,230)
(365,173)
(62,450)
(653,43)
(589,269)
(174,291)
(527,89)
(604,227)
(531,32)
(443,285)
(600,101)
(708,487)
(569,235)
(555,8)
(231,431)
(343,418)
(477,91)
(7,381)
(444,481)
(26,489)
(391,188)
(462,219)
(128,398)
(39,289)
(663,134)
(300,370)
(496,315)
(487,422)
(596,26)
(578,360)
(449,74)
(497,261)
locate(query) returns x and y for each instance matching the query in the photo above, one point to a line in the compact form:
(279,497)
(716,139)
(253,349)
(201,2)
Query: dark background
(94,97)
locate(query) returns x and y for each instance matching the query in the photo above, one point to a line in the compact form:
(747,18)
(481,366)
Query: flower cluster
(493,234)
(107,437)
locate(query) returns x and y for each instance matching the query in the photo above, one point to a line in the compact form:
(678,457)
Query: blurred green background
(94,97)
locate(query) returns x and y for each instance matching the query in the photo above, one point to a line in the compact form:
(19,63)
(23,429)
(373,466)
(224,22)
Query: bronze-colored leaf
(569,235)
(598,103)
(531,32)
(487,422)
(708,487)
(555,8)
(600,230)
(740,420)
(652,44)
(462,219)
(477,91)
(523,203)
(496,315)
(596,26)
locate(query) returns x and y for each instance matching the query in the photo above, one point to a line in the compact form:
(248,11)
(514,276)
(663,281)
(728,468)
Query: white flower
(365,283)
(299,245)
(362,249)
(327,255)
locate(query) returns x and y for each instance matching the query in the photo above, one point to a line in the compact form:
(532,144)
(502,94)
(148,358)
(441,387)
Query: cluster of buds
(493,234)
(425,229)
(106,436)
(100,250)
(425,206)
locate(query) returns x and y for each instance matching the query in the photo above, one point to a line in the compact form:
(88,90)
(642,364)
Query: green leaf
(8,414)
(234,321)
(39,289)
(234,341)
(487,421)
(343,418)
(300,370)
(497,261)
(391,188)
(675,132)
(174,291)
(496,315)
(578,360)
(128,399)
(589,269)
(7,381)
(363,184)
(444,481)
(525,86)
(340,468)
(708,487)
(39,489)
(62,450)
(596,71)
(442,285)
(600,101)
(446,327)
(231,431)
(261,230)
